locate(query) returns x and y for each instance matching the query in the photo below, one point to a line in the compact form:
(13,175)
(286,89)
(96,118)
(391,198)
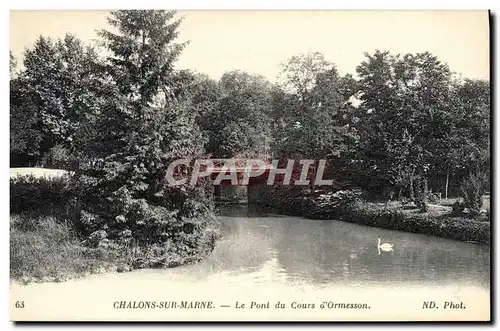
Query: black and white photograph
(250,165)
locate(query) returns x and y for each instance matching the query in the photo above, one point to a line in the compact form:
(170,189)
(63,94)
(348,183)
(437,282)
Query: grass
(45,249)
(49,243)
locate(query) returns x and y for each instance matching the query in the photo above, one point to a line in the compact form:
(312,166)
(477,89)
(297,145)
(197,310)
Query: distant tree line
(403,127)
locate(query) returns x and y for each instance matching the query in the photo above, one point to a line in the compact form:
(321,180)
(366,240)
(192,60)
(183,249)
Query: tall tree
(312,108)
(12,64)
(237,124)
(144,53)
(144,126)
(406,118)
(299,74)
(467,147)
(25,133)
(57,84)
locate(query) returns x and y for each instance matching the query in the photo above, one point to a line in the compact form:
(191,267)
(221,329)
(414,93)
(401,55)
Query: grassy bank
(45,249)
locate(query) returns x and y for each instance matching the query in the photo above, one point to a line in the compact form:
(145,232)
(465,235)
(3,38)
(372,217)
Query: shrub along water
(299,201)
(345,205)
(458,228)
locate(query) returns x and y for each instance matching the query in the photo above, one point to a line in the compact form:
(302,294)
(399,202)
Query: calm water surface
(281,249)
(273,257)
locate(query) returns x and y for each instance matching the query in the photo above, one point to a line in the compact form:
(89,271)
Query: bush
(283,199)
(472,189)
(298,201)
(40,195)
(176,228)
(166,230)
(58,157)
(329,205)
(458,208)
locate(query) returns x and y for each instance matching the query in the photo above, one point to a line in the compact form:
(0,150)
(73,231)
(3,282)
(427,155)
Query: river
(273,260)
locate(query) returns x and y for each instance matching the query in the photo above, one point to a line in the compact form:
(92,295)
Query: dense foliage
(406,127)
(51,97)
(121,149)
(411,125)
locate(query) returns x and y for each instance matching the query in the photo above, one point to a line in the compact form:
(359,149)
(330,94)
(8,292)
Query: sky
(260,41)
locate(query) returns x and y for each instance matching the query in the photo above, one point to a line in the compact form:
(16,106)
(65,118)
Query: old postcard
(250,165)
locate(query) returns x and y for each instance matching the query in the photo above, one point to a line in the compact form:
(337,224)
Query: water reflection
(296,249)
(267,258)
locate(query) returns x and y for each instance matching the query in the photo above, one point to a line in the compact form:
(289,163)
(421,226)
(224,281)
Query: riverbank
(346,205)
(47,250)
(439,221)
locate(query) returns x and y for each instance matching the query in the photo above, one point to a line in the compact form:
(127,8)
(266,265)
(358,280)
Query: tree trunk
(447,182)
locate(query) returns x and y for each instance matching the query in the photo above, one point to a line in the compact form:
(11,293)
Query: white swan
(385,247)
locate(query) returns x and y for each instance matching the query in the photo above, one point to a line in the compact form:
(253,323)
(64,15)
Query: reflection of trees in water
(312,251)
(245,246)
(330,251)
(237,210)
